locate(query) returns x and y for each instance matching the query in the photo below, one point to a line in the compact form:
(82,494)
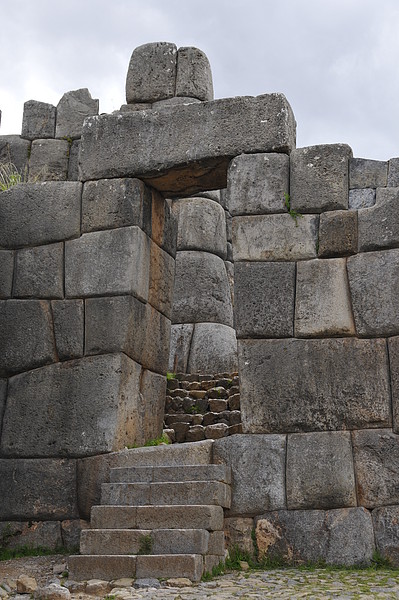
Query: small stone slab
(83,568)
(48,160)
(264,299)
(151,74)
(256,184)
(194,75)
(373,285)
(320,471)
(361,198)
(72,110)
(258,471)
(169,565)
(38,121)
(379,225)
(319,178)
(275,238)
(366,173)
(376,456)
(326,384)
(337,233)
(323,305)
(187,148)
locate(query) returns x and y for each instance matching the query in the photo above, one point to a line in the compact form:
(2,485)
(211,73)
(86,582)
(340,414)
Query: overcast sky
(337,61)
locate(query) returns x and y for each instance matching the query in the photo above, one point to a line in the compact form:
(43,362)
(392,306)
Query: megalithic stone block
(6,273)
(77,408)
(151,74)
(213,348)
(194,75)
(48,160)
(14,149)
(38,121)
(186,148)
(72,110)
(39,272)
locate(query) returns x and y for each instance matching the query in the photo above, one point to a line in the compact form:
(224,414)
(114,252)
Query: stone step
(178,493)
(151,517)
(108,567)
(167,474)
(149,542)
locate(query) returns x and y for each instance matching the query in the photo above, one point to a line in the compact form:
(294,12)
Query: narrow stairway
(163,521)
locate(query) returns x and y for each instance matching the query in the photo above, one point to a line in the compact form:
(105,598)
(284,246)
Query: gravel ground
(286,584)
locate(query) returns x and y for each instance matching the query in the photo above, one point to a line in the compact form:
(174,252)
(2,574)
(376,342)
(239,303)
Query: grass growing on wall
(10,176)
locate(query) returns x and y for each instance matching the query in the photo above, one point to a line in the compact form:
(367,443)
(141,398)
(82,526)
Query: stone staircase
(161,521)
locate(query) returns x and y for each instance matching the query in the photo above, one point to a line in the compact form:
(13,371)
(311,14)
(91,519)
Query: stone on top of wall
(33,214)
(319,178)
(366,173)
(151,74)
(38,120)
(379,224)
(186,149)
(256,184)
(72,110)
(193,75)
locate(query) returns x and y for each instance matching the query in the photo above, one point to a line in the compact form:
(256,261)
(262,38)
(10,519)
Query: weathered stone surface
(201,225)
(361,198)
(72,110)
(373,282)
(16,150)
(26,340)
(376,454)
(264,299)
(157,341)
(216,431)
(38,120)
(201,292)
(134,106)
(323,306)
(152,406)
(256,184)
(325,385)
(112,203)
(194,75)
(379,224)
(319,178)
(68,320)
(70,531)
(393,346)
(385,521)
(151,74)
(213,348)
(82,567)
(186,148)
(161,280)
(48,160)
(108,262)
(73,166)
(258,471)
(175,101)
(32,214)
(337,233)
(3,395)
(393,172)
(44,534)
(163,224)
(82,407)
(53,481)
(339,537)
(39,272)
(26,584)
(366,173)
(180,343)
(6,273)
(320,471)
(53,591)
(274,237)
(238,533)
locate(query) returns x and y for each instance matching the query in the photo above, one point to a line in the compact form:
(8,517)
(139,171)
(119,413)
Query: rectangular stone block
(14,149)
(6,273)
(167,565)
(73,168)
(385,521)
(323,304)
(258,471)
(113,203)
(274,238)
(264,299)
(3,396)
(379,225)
(325,385)
(152,406)
(366,173)
(337,233)
(319,178)
(163,224)
(162,276)
(27,339)
(108,262)
(180,343)
(393,172)
(106,567)
(38,121)
(338,537)
(151,74)
(376,453)
(33,214)
(37,489)
(256,184)
(187,148)
(320,471)
(31,534)
(111,541)
(78,408)
(48,160)
(68,321)
(373,282)
(193,74)
(156,346)
(72,110)
(163,474)
(361,198)
(39,272)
